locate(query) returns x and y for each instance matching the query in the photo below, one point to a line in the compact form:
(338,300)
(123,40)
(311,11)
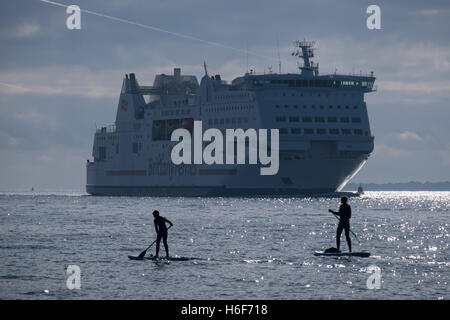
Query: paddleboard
(162,258)
(361,254)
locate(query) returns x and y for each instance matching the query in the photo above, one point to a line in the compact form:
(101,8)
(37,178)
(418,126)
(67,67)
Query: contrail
(176,34)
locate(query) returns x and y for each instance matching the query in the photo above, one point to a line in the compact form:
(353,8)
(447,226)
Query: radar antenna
(307,51)
(204,66)
(279,60)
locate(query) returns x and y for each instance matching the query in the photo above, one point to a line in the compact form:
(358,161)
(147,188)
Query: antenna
(279,60)
(204,66)
(247,56)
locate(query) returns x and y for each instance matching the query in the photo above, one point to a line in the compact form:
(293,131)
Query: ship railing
(361,74)
(259,73)
(107,129)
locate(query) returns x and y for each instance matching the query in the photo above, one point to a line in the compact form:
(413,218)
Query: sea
(69,245)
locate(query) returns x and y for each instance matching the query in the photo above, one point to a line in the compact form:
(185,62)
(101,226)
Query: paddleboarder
(161,231)
(344,213)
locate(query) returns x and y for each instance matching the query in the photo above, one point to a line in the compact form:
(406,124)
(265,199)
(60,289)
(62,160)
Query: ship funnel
(130,84)
(131,105)
(177,72)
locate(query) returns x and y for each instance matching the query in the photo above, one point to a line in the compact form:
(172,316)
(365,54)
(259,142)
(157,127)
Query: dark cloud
(55,84)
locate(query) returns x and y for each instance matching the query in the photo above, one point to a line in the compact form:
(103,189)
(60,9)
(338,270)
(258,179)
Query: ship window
(321,131)
(286,106)
(309,131)
(296,130)
(159,130)
(332,119)
(355,107)
(296,106)
(102,153)
(321,107)
(172,124)
(137,147)
(277,106)
(356,120)
(346,131)
(280,119)
(283,130)
(188,124)
(334,131)
(358,131)
(293,119)
(319,119)
(306,119)
(344,119)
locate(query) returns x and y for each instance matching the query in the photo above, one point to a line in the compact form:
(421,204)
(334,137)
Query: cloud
(388,151)
(22,30)
(29,117)
(8,140)
(55,88)
(445,156)
(426,87)
(61,80)
(75,80)
(428,12)
(418,67)
(45,158)
(409,136)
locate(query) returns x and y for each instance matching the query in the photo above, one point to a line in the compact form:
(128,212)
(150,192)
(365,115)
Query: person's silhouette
(161,232)
(345,213)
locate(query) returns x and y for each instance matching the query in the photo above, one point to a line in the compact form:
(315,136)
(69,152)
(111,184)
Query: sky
(57,85)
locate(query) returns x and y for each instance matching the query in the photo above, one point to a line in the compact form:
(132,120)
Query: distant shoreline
(400,186)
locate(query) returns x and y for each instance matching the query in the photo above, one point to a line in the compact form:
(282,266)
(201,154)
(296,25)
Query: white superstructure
(323,126)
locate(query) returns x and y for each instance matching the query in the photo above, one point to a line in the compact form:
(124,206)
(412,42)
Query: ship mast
(308,67)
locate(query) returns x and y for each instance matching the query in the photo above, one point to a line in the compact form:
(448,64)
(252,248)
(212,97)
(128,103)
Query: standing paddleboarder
(161,231)
(344,213)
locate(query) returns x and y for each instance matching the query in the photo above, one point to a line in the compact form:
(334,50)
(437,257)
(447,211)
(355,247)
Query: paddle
(334,214)
(145,251)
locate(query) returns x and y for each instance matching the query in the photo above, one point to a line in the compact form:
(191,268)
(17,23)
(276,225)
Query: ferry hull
(304,179)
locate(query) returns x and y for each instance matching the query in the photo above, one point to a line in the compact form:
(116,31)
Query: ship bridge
(336,81)
(309,75)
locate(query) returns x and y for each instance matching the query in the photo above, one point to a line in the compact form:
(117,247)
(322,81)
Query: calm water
(247,248)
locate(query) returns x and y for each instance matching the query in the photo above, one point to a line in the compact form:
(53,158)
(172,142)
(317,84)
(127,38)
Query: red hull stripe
(217,172)
(123,173)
